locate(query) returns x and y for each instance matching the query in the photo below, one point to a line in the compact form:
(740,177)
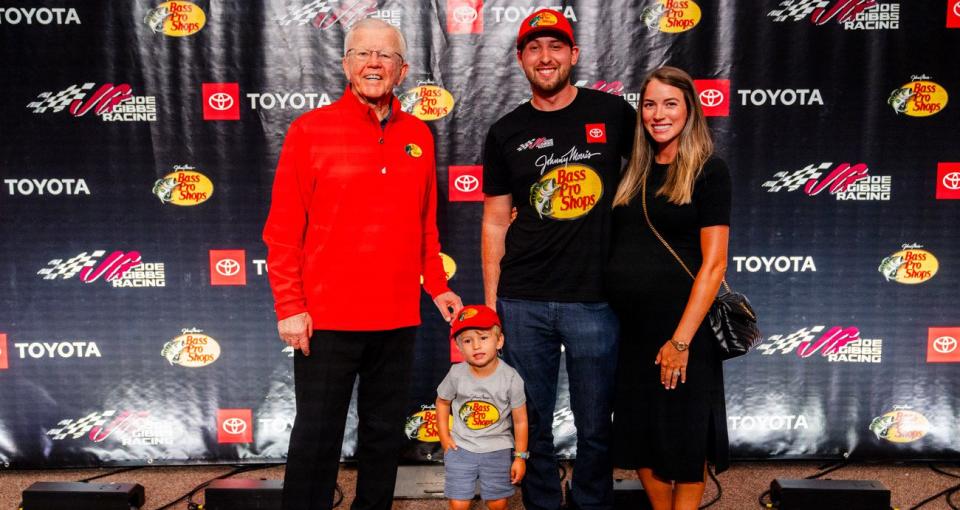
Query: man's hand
(447,301)
(296,331)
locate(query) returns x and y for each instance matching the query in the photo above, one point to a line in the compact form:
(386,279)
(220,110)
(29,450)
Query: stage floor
(742,484)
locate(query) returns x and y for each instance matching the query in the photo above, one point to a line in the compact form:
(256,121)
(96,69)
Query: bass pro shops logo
(422,425)
(191,349)
(478,414)
(185,187)
(176,19)
(427,101)
(911,265)
(110,102)
(901,425)
(919,98)
(671,16)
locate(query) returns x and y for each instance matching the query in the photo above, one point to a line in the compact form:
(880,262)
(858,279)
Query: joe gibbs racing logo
(566,192)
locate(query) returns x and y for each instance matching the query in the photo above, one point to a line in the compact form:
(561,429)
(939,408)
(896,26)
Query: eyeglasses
(382,56)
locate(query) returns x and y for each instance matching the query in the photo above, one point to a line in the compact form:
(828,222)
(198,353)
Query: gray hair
(375,24)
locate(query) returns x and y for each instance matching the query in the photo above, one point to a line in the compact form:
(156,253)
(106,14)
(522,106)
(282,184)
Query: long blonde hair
(694,149)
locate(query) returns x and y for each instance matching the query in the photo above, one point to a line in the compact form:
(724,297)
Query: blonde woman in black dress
(669,415)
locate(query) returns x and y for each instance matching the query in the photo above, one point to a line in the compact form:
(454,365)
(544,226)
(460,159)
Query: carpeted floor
(742,484)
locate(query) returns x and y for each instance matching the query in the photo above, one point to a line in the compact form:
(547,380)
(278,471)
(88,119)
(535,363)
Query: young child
(486,393)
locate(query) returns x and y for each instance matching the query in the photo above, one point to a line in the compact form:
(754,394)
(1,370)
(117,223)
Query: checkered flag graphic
(792,181)
(305,14)
(70,268)
(75,429)
(49,101)
(796,9)
(789,343)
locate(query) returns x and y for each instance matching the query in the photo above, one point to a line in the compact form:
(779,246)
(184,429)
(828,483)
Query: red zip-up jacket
(352,222)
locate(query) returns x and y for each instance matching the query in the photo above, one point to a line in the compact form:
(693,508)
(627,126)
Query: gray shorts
(464,468)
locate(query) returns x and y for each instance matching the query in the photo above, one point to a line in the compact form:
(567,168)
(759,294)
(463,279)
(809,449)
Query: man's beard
(551,88)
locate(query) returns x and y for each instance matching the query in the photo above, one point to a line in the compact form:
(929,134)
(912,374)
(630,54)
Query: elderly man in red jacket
(352,227)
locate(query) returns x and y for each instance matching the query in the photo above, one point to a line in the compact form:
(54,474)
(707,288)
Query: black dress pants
(323,385)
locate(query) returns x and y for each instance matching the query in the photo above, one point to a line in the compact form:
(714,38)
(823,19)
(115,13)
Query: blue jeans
(534,332)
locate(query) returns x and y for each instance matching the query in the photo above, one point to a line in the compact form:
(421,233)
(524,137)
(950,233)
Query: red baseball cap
(544,20)
(473,317)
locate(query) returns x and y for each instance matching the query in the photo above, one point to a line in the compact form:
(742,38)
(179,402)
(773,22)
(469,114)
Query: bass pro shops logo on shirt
(477,414)
(568,190)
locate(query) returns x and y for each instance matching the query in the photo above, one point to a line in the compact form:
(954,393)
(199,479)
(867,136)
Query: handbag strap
(646,216)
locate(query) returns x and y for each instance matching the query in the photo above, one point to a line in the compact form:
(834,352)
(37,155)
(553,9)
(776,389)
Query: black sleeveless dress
(670,431)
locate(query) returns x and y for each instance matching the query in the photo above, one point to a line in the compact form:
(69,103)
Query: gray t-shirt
(481,407)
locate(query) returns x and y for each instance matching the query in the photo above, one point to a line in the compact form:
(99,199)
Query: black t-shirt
(562,168)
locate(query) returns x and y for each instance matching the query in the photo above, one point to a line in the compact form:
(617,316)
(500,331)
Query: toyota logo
(466,183)
(945,344)
(234,426)
(956,8)
(228,267)
(596,133)
(711,97)
(220,101)
(952,179)
(465,14)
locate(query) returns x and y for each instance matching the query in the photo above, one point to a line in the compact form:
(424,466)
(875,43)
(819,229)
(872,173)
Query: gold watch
(680,346)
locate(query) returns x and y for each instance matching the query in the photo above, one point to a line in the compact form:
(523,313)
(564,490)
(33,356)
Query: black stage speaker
(242,494)
(829,495)
(83,496)
(627,495)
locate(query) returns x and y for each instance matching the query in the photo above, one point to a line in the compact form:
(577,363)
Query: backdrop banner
(140,139)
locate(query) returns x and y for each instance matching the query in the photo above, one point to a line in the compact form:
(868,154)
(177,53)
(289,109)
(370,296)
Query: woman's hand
(673,365)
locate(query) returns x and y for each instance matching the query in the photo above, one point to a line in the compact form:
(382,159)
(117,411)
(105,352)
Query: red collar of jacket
(352,103)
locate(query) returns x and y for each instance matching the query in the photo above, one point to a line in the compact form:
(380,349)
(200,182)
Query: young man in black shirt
(557,159)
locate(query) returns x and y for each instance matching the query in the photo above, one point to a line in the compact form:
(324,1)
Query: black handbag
(731,317)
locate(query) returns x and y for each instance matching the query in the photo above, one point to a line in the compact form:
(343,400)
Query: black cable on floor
(950,503)
(109,473)
(339,494)
(951,492)
(719,489)
(946,492)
